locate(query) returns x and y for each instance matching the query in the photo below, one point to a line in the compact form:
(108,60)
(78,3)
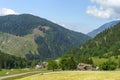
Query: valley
(60,40)
(42,46)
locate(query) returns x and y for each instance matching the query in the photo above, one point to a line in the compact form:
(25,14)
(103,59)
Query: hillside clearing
(77,75)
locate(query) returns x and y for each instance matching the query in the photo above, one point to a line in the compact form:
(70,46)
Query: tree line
(70,63)
(9,61)
(65,63)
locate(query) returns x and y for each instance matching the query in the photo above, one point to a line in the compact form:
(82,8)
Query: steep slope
(36,38)
(106,44)
(101,28)
(16,45)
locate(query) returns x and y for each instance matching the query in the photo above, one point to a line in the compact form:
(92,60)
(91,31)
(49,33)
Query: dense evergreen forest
(9,61)
(20,24)
(105,44)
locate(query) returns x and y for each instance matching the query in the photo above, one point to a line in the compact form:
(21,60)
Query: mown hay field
(76,75)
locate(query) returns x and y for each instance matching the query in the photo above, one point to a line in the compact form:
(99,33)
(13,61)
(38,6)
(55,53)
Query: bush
(109,65)
(68,63)
(52,65)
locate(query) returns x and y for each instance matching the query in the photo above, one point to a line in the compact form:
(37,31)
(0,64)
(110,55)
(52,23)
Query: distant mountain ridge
(33,37)
(103,27)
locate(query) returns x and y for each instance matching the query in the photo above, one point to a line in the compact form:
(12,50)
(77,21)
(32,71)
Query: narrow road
(14,75)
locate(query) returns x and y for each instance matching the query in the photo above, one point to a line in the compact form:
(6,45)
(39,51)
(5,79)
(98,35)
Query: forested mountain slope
(106,44)
(33,37)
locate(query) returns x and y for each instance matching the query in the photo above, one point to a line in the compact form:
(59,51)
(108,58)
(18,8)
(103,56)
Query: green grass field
(76,75)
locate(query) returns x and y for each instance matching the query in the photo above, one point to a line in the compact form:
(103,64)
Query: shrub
(109,65)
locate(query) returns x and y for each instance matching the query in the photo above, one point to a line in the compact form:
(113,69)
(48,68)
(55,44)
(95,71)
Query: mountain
(103,27)
(105,45)
(33,37)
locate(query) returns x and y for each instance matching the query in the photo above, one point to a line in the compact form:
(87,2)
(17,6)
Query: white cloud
(105,9)
(100,13)
(5,11)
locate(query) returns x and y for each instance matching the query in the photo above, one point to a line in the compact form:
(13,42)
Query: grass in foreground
(74,75)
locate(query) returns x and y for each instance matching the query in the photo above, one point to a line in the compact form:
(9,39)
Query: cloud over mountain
(104,9)
(5,11)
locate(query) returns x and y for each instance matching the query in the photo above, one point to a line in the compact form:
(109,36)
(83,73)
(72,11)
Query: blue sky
(78,15)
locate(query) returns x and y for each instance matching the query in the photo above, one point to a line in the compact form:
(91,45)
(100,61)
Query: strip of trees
(70,63)
(9,61)
(64,63)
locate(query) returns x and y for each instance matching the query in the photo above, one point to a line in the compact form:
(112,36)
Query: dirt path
(15,75)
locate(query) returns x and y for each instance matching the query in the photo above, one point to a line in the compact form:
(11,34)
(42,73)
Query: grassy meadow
(76,75)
